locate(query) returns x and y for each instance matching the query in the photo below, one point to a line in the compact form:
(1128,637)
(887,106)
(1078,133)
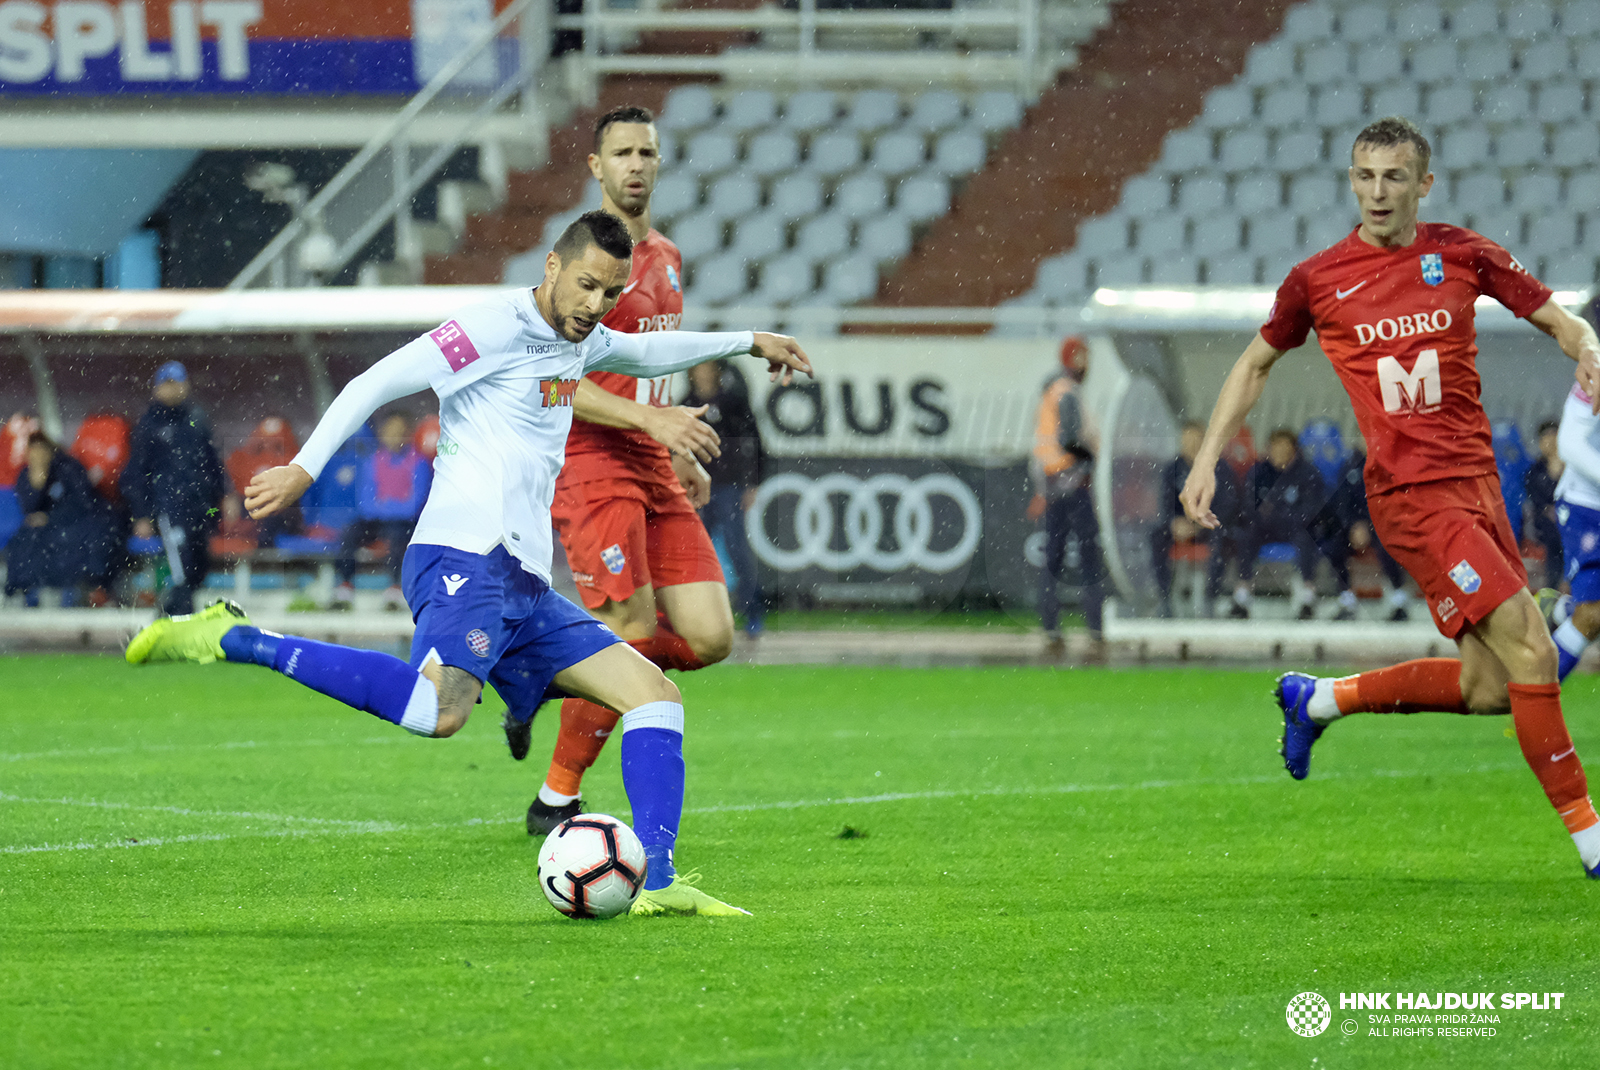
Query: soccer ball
(591,866)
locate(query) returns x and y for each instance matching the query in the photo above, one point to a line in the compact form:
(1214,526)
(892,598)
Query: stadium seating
(102,446)
(1513,460)
(1499,88)
(792,199)
(1324,447)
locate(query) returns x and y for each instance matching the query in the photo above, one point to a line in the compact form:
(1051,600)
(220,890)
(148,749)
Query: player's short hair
(1395,130)
(628,113)
(595,228)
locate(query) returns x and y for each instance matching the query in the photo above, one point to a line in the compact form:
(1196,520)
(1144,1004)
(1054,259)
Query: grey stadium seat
(887,237)
(710,152)
(1479,191)
(1364,22)
(1061,276)
(960,152)
(526,269)
(697,236)
(1202,193)
(1273,232)
(674,195)
(688,107)
(668,146)
(1270,63)
(1379,62)
(733,196)
(1308,22)
(1560,101)
(861,195)
(1178,269)
(718,280)
(1186,150)
(1587,57)
(1553,232)
(1574,269)
(1436,61)
(1340,104)
(1228,105)
(995,110)
(1316,192)
(1217,233)
(1536,191)
(1466,145)
(1418,22)
(1120,271)
(1575,144)
(1583,193)
(935,110)
(1397,98)
(749,109)
(922,197)
(1286,105)
(1508,103)
(1257,191)
(1450,102)
(1580,17)
(1243,150)
(1325,63)
(1327,228)
(773,152)
(785,279)
(1520,146)
(797,196)
(872,110)
(1236,270)
(823,237)
(1298,150)
(759,236)
(1146,194)
(1527,19)
(810,109)
(1487,59)
(1160,234)
(1544,59)
(834,153)
(1102,235)
(899,152)
(1501,226)
(852,279)
(1481,18)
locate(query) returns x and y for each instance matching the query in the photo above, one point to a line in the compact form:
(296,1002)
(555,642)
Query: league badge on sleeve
(1432,268)
(1466,577)
(672,279)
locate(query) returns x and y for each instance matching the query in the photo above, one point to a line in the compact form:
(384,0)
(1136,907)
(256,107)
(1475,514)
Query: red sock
(667,649)
(1548,750)
(1427,685)
(585,727)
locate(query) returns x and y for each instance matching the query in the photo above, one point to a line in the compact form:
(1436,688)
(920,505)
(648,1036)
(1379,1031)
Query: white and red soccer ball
(591,866)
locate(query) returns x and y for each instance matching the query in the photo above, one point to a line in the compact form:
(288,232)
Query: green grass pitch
(209,866)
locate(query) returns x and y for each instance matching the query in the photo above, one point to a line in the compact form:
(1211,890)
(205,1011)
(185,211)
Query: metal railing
(376,187)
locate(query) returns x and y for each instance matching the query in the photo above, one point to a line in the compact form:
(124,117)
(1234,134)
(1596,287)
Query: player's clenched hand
(275,490)
(782,354)
(696,480)
(681,430)
(1198,490)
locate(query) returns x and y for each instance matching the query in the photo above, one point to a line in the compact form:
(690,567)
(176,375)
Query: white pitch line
(168,748)
(183,811)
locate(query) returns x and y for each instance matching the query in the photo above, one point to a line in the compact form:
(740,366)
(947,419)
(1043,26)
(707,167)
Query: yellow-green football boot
(192,637)
(681,897)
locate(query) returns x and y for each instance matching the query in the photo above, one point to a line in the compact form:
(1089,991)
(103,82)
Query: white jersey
(1579,440)
(505,382)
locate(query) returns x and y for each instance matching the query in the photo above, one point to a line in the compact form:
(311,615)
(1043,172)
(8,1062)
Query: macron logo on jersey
(453,342)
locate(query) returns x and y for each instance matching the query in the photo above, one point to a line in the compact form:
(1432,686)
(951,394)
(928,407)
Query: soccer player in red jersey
(625,500)
(1392,305)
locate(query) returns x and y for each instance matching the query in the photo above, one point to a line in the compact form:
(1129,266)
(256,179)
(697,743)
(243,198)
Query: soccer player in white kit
(1575,618)
(477,572)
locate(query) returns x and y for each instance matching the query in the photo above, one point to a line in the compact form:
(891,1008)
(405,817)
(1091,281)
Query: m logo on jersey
(613,559)
(1432,268)
(557,393)
(1466,577)
(453,342)
(1417,390)
(672,279)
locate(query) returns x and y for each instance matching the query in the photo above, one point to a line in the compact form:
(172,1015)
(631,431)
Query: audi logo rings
(863,527)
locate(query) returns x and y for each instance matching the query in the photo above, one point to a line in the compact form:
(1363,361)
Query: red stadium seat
(102,447)
(426,440)
(271,444)
(14,447)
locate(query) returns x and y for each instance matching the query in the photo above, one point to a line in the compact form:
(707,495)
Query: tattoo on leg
(458,690)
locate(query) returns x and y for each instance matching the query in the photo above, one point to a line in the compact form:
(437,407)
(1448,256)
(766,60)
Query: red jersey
(1397,324)
(651,301)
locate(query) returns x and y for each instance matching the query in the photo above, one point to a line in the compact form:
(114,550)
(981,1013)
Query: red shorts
(1453,537)
(621,535)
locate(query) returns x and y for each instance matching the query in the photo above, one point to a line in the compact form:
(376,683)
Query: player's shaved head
(1393,131)
(600,229)
(628,113)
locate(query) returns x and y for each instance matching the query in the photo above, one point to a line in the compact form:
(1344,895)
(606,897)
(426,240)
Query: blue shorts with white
(488,615)
(1580,542)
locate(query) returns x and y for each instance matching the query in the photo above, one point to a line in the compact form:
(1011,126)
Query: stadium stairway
(1100,124)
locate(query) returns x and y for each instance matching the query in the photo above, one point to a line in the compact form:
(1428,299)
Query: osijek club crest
(1432,268)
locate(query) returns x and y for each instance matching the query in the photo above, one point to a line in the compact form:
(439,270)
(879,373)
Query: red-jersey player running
(1392,305)
(639,553)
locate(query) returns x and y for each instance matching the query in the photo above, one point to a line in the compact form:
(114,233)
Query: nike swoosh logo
(629,287)
(602,733)
(1339,295)
(1563,754)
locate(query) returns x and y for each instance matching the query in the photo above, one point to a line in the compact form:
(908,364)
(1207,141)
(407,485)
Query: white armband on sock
(668,715)
(422,710)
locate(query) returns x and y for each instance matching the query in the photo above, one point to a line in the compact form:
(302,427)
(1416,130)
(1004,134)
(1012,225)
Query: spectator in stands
(1346,529)
(68,537)
(1174,529)
(173,483)
(735,475)
(392,484)
(1282,495)
(1540,483)
(1064,444)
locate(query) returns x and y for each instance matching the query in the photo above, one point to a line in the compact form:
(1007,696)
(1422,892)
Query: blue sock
(379,684)
(1570,645)
(652,773)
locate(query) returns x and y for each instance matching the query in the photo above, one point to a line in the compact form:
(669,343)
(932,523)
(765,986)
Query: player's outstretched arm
(782,354)
(677,427)
(275,489)
(1239,394)
(1577,340)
